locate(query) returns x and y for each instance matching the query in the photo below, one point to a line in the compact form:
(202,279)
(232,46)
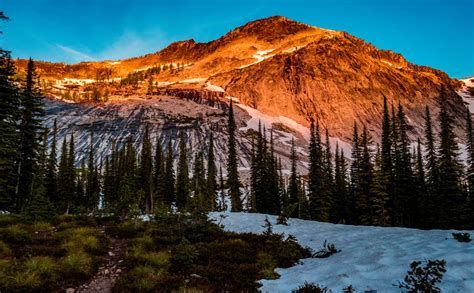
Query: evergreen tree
(273,190)
(294,183)
(431,201)
(341,205)
(29,128)
(233,182)
(404,208)
(92,182)
(385,177)
(146,172)
(182,177)
(169,187)
(470,165)
(9,116)
(316,188)
(65,188)
(51,169)
(363,195)
(420,186)
(354,172)
(211,175)
(380,196)
(223,204)
(200,199)
(452,198)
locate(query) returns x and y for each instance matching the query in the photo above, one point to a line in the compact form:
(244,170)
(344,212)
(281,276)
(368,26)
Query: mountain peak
(270,28)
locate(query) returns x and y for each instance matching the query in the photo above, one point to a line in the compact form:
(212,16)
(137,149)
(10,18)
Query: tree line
(386,184)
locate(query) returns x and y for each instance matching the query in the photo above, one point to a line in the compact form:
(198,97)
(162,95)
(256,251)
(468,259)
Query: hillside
(277,66)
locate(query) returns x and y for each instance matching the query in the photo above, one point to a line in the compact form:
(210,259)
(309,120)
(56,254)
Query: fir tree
(200,199)
(223,204)
(470,164)
(450,169)
(341,205)
(182,177)
(379,194)
(294,184)
(431,201)
(29,128)
(211,175)
(354,172)
(146,171)
(169,178)
(51,169)
(9,116)
(233,182)
(365,179)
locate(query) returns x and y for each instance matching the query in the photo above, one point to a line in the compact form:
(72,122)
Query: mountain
(280,71)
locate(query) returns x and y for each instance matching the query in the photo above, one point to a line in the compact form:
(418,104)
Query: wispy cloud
(75,55)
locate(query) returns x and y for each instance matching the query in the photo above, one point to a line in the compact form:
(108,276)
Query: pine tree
(354,172)
(470,165)
(385,175)
(51,169)
(223,204)
(404,208)
(182,177)
(233,182)
(200,199)
(92,182)
(431,202)
(294,184)
(30,126)
(9,116)
(379,192)
(169,187)
(71,175)
(64,190)
(211,175)
(451,196)
(273,190)
(146,172)
(341,205)
(420,186)
(363,195)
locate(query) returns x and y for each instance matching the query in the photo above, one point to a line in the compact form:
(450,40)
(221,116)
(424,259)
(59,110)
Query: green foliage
(462,237)
(4,250)
(39,208)
(424,278)
(327,250)
(77,264)
(311,288)
(17,234)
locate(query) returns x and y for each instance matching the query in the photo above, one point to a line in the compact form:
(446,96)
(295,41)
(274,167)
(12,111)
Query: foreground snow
(370,258)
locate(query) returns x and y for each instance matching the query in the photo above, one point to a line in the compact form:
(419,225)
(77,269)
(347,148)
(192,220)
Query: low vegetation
(191,253)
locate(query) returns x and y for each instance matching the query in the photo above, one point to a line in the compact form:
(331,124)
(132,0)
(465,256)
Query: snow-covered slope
(370,258)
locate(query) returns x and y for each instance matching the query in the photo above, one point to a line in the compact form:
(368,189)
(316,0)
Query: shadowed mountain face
(286,70)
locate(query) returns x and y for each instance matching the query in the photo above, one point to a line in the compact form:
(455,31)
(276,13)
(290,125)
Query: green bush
(311,288)
(183,256)
(16,233)
(41,227)
(267,266)
(128,229)
(5,251)
(9,219)
(462,237)
(77,264)
(43,266)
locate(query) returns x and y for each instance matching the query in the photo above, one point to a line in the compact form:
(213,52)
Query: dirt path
(112,266)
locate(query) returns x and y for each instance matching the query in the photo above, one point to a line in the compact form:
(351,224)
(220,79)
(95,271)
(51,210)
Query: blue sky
(435,33)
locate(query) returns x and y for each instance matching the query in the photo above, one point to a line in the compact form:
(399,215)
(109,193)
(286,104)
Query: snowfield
(371,258)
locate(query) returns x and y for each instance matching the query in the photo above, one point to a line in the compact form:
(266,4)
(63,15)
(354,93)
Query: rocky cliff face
(281,71)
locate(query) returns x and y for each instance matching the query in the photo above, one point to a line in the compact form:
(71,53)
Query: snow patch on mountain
(267,121)
(260,56)
(371,258)
(465,93)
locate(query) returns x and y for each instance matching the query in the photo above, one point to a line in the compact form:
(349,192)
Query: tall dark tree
(9,116)
(341,205)
(354,170)
(233,182)
(51,168)
(379,197)
(470,165)
(317,192)
(431,201)
(363,191)
(146,171)
(273,191)
(294,184)
(29,128)
(385,173)
(169,178)
(453,201)
(182,176)
(404,207)
(200,199)
(92,182)
(211,175)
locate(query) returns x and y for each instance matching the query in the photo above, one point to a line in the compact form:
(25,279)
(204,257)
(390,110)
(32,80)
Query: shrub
(43,266)
(41,227)
(4,249)
(267,265)
(128,229)
(77,264)
(183,256)
(327,250)
(89,244)
(23,281)
(16,233)
(462,237)
(8,219)
(311,288)
(424,279)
